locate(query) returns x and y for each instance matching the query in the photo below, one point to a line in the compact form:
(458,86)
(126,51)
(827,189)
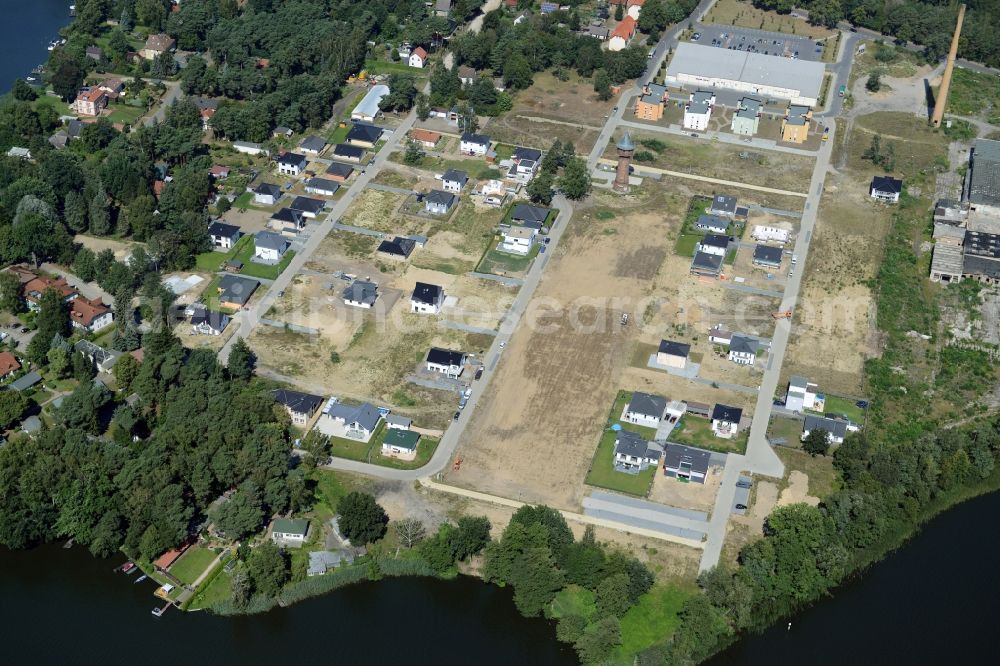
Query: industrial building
(798,81)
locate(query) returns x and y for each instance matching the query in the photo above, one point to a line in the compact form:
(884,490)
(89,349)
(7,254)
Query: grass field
(573,600)
(192,564)
(972,93)
(837,405)
(210,262)
(787,428)
(743,14)
(653,620)
(688,237)
(823,479)
(425,450)
(217,591)
(244,251)
(695,431)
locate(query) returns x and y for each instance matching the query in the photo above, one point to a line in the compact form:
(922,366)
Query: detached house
(474,144)
(645,409)
(836,428)
(518,240)
(364,135)
(437,202)
(89,315)
(208,322)
(698,110)
(726,421)
(454,180)
(633,453)
(90,102)
(290,533)
(287,221)
(427,298)
(447,362)
(235,291)
(622,34)
(526,214)
(401,443)
(322,186)
(8,364)
(156,45)
(300,406)
(223,236)
(347,153)
(724,205)
(292,164)
(425,138)
(767,256)
(397,248)
(686,463)
(360,294)
(356,422)
(418,58)
(269,247)
(795,124)
(312,145)
(308,206)
(712,224)
(886,188)
(266,194)
(673,354)
(746,120)
(651,104)
(743,350)
(716,244)
(802,395)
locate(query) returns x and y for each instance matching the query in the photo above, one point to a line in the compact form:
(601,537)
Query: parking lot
(758,41)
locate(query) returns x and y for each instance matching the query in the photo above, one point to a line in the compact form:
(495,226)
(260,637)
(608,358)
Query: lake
(932,602)
(64,606)
(31,25)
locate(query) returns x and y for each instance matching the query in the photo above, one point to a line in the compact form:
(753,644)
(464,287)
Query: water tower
(625,149)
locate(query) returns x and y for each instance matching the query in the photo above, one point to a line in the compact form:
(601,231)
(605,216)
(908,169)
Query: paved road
(735,286)
(248,319)
(502,279)
(173,93)
(88,289)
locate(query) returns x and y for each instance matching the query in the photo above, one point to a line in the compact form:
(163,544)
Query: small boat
(128,566)
(131,571)
(159,611)
(140,579)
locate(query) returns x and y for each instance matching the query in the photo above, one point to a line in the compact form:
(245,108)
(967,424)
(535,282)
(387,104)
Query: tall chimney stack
(942,97)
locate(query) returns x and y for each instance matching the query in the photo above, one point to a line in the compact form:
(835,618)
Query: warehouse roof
(757,68)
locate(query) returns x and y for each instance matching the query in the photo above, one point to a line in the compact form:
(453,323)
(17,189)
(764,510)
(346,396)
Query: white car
(502,345)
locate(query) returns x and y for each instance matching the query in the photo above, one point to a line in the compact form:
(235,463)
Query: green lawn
(696,431)
(244,251)
(192,564)
(497,262)
(384,67)
(339,134)
(846,406)
(573,600)
(604,475)
(243,201)
(685,244)
(124,114)
(210,262)
(60,107)
(476,168)
(785,427)
(218,590)
(341,447)
(330,489)
(425,450)
(653,620)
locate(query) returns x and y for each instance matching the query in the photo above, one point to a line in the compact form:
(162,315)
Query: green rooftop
(401,439)
(290,526)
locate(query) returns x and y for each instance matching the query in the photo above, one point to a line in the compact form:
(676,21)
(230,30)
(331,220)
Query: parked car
(479,372)
(543,249)
(741,507)
(743,484)
(455,417)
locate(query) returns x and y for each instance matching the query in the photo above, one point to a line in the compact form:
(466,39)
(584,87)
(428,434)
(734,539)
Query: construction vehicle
(787,314)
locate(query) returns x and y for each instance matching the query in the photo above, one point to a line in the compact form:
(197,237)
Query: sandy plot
(310,302)
(479,302)
(120,248)
(797,491)
(250,220)
(696,496)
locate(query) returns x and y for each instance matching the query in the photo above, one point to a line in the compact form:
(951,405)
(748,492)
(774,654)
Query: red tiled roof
(8,363)
(158,186)
(33,289)
(625,29)
(85,312)
(425,135)
(92,95)
(419,51)
(634,3)
(164,561)
(218,170)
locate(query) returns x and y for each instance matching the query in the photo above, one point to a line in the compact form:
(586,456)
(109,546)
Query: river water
(64,606)
(28,27)
(931,602)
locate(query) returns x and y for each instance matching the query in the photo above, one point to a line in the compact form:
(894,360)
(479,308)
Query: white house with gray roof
(743,350)
(633,453)
(360,294)
(645,409)
(269,247)
(356,422)
(746,120)
(686,463)
(836,428)
(698,110)
(454,180)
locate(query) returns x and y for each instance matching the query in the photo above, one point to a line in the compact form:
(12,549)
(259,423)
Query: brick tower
(625,149)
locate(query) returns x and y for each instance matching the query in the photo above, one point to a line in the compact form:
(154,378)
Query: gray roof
(237,289)
(631,444)
(340,169)
(446,199)
(521,153)
(344,150)
(529,213)
(268,188)
(724,203)
(426,293)
(804,76)
(887,184)
(715,240)
(479,139)
(313,142)
(836,427)
(749,107)
(217,321)
(270,240)
(676,454)
(445,356)
(743,344)
(364,132)
(456,176)
(301,403)
(984,183)
(26,382)
(402,247)
(307,204)
(287,215)
(368,107)
(726,413)
(982,244)
(31,424)
(96,353)
(986,266)
(647,404)
(365,414)
(707,262)
(625,143)
(711,222)
(674,348)
(323,184)
(397,420)
(294,159)
(767,254)
(361,291)
(700,101)
(223,230)
(797,381)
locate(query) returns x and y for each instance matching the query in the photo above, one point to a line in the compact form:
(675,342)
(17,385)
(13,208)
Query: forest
(929,24)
